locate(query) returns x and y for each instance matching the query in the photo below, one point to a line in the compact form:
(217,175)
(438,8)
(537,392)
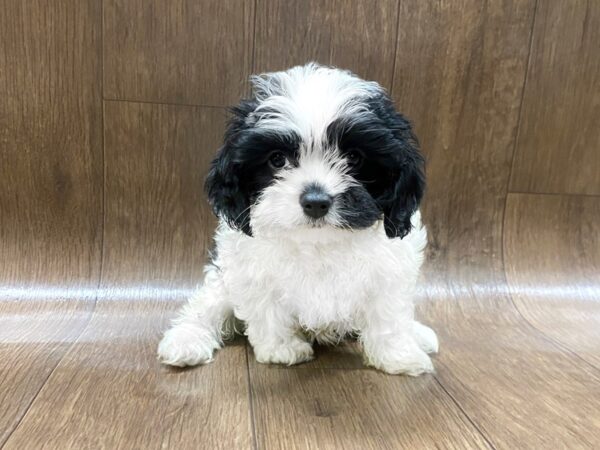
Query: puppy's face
(316,148)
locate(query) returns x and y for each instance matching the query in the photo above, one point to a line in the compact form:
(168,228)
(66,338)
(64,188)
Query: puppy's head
(316,147)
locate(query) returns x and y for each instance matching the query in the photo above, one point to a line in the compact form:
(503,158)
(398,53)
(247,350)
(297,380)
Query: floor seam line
(149,102)
(462,410)
(509,293)
(555,342)
(522,99)
(28,409)
(251,400)
(397,37)
(102,222)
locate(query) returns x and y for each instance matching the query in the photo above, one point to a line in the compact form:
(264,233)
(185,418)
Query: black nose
(315,202)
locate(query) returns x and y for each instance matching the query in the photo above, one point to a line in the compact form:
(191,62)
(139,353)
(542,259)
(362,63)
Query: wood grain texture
(554,270)
(520,389)
(510,284)
(355,409)
(158,223)
(352,34)
(463,96)
(181,51)
(51,138)
(110,391)
(558,150)
(50,189)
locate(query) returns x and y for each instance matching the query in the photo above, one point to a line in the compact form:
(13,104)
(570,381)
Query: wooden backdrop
(109,114)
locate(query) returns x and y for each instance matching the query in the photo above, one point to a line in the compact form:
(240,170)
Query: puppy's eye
(277,160)
(354,158)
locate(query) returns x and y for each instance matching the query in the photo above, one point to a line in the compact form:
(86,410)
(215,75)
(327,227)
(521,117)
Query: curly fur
(287,275)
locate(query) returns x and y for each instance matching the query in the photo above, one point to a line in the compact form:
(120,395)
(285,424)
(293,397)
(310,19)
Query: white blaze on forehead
(306,99)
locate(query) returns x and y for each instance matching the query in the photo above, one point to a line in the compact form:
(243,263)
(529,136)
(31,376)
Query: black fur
(357,208)
(240,171)
(392,170)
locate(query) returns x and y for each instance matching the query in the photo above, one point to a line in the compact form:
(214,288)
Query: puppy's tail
(417,238)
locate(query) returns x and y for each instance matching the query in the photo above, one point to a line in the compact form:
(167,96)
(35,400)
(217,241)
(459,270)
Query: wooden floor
(110,112)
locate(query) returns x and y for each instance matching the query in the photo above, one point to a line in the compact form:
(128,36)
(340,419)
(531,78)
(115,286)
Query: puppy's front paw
(183,346)
(409,360)
(290,353)
(425,338)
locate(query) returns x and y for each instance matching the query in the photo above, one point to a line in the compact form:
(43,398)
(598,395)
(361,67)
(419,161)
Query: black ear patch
(406,183)
(226,190)
(225,193)
(403,197)
(241,170)
(392,167)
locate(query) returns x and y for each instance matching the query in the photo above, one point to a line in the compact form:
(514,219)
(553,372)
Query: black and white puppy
(317,188)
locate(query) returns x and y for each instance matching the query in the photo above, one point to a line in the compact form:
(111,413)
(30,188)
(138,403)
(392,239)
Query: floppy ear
(224,187)
(406,186)
(404,197)
(225,194)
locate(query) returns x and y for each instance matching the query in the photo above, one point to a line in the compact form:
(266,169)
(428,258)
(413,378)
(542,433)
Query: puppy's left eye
(354,158)
(277,160)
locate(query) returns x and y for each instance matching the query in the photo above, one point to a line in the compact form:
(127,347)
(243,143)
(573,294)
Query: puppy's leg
(198,330)
(274,337)
(425,338)
(388,338)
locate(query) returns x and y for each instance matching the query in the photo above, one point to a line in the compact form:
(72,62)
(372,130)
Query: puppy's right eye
(354,158)
(277,160)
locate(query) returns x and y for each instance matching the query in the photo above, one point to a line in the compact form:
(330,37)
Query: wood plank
(553,269)
(351,34)
(180,51)
(110,391)
(558,150)
(158,222)
(463,92)
(355,409)
(50,189)
(519,388)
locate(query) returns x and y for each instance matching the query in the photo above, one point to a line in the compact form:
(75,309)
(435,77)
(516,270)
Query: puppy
(317,188)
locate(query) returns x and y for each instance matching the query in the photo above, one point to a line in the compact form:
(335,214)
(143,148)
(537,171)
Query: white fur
(352,281)
(305,99)
(292,281)
(278,208)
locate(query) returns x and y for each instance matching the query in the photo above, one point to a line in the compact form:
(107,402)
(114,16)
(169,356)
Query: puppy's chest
(320,285)
(323,279)
(323,292)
